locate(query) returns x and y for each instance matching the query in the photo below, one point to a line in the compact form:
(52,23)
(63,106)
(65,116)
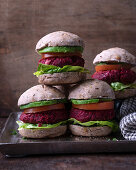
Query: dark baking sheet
(15,145)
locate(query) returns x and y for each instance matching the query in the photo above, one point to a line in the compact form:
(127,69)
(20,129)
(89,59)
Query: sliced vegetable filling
(87,101)
(117,86)
(43,103)
(62,49)
(95,106)
(45,108)
(50,69)
(23,125)
(111,124)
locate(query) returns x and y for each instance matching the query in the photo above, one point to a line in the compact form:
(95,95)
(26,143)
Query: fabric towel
(128,121)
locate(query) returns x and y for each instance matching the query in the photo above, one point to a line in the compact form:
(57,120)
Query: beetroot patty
(47,117)
(91,115)
(62,61)
(123,75)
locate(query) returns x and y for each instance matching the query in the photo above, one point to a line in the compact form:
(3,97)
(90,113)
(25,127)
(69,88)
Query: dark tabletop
(80,161)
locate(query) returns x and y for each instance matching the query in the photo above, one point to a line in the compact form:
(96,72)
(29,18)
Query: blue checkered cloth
(128,118)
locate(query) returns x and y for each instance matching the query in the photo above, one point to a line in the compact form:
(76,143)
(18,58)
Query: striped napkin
(128,118)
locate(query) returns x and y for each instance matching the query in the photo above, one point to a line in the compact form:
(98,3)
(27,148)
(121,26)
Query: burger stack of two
(61,59)
(114,67)
(44,112)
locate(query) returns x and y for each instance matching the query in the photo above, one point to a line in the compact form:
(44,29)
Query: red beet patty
(62,61)
(123,75)
(91,115)
(47,117)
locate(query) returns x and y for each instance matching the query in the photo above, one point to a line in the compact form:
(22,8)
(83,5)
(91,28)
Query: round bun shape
(91,89)
(43,133)
(61,88)
(126,93)
(38,93)
(61,78)
(115,54)
(90,131)
(64,89)
(59,38)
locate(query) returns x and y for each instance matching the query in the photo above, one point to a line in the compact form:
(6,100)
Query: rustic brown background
(101,23)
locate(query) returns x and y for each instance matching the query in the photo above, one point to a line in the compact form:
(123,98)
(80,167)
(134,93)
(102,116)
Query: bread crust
(126,93)
(61,78)
(91,89)
(115,54)
(38,93)
(43,133)
(90,131)
(59,38)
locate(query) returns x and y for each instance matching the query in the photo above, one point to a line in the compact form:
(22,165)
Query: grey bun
(64,89)
(39,93)
(115,54)
(90,131)
(59,38)
(43,133)
(126,93)
(91,89)
(61,78)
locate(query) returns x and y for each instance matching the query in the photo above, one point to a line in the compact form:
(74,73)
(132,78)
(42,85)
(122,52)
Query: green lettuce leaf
(50,69)
(74,101)
(112,63)
(99,64)
(62,49)
(23,125)
(117,86)
(43,103)
(111,124)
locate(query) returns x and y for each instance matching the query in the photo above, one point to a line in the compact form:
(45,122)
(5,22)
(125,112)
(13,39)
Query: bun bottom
(61,78)
(126,93)
(43,133)
(90,131)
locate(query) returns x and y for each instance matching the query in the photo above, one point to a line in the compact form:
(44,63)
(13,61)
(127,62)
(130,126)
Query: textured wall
(101,23)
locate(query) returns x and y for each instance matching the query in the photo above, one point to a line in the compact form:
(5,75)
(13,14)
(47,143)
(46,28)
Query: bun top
(115,54)
(38,93)
(59,38)
(92,89)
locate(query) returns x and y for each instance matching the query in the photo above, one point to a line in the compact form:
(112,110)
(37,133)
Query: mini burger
(92,112)
(114,66)
(44,114)
(61,59)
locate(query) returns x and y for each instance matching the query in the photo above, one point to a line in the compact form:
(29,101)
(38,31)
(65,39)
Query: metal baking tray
(14,145)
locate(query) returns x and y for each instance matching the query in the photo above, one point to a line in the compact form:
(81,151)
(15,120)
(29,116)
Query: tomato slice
(45,108)
(112,67)
(46,55)
(95,106)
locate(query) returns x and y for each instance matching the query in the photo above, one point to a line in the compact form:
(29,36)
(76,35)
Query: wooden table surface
(80,161)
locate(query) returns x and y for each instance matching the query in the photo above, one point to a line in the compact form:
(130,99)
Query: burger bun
(59,38)
(43,133)
(91,89)
(126,93)
(90,131)
(39,93)
(61,78)
(115,55)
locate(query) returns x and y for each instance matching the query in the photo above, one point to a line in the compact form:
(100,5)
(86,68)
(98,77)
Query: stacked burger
(61,59)
(114,67)
(44,114)
(92,112)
